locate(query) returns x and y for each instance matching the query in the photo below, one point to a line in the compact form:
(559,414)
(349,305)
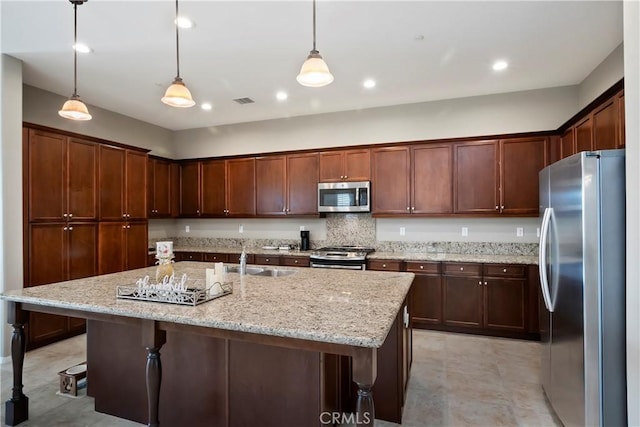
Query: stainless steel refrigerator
(582,275)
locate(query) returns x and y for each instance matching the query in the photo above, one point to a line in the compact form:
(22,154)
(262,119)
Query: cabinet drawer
(189,256)
(215,257)
(385,265)
(461,269)
(505,270)
(235,258)
(423,267)
(267,259)
(294,261)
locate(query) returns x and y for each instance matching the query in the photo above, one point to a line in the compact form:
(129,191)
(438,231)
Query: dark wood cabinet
(606,131)
(271,185)
(521,160)
(294,261)
(432,179)
(621,120)
(583,135)
(462,302)
(241,187)
(189,256)
(426,293)
(122,246)
(123,184)
(567,143)
(385,264)
(476,177)
(390,175)
(505,297)
(160,188)
(190,189)
(345,165)
(302,184)
(234,258)
(266,259)
(215,257)
(213,189)
(62,177)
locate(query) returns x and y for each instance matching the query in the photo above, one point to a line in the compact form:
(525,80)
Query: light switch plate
(519,231)
(187,229)
(302,228)
(241,228)
(465,231)
(402,231)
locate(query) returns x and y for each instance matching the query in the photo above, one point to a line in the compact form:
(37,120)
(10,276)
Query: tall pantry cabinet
(62,193)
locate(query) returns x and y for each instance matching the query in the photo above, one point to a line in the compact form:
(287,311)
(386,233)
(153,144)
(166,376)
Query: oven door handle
(343,267)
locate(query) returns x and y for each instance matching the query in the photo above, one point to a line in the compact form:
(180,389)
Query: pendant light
(314,71)
(74,108)
(177,95)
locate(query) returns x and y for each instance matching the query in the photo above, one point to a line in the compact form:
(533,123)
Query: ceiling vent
(243,101)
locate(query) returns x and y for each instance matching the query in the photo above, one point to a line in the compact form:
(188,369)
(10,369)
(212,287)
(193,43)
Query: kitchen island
(308,319)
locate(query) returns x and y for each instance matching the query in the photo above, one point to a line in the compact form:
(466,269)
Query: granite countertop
(337,306)
(405,256)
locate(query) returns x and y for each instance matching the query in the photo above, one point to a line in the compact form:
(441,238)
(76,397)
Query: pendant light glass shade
(177,95)
(74,108)
(314,71)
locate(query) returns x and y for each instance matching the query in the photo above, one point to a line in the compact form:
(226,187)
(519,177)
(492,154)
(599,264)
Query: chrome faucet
(243,263)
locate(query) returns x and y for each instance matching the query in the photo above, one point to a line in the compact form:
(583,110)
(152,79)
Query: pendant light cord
(177,45)
(314,25)
(75,49)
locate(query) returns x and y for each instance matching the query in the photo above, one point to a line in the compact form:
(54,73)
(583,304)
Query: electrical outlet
(519,231)
(465,231)
(302,228)
(538,232)
(402,231)
(187,229)
(241,228)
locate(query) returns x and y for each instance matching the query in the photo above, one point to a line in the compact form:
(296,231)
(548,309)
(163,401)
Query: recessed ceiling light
(184,22)
(82,48)
(206,106)
(282,96)
(369,83)
(500,65)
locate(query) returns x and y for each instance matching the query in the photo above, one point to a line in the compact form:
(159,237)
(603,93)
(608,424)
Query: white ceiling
(254,49)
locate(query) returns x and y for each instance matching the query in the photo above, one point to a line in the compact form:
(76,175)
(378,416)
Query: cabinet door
(175,189)
(45,328)
(426,299)
(136,184)
(583,136)
(476,177)
(190,189)
(357,165)
(567,143)
(161,188)
(505,302)
(47,254)
(521,161)
(136,245)
(621,120)
(432,179)
(213,188)
(271,182)
(46,186)
(390,176)
(463,301)
(241,187)
(331,167)
(605,126)
(82,244)
(302,184)
(82,179)
(111,180)
(112,254)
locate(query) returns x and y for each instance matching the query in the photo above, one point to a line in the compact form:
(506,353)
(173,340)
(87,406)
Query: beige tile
(465,412)
(425,409)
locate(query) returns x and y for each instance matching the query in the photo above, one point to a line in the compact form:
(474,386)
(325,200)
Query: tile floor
(456,380)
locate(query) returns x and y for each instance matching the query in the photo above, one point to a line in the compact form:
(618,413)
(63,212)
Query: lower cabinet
(426,293)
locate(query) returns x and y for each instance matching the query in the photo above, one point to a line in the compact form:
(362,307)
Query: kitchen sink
(252,271)
(274,273)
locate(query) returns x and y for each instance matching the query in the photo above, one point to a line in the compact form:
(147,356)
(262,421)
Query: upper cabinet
(160,187)
(345,165)
(287,185)
(606,132)
(123,184)
(499,177)
(218,188)
(62,177)
(412,180)
(567,143)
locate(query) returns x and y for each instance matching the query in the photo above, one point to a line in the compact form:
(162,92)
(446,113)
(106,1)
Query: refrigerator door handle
(542,258)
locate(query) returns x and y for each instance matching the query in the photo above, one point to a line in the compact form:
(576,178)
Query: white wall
(605,75)
(528,111)
(41,107)
(632,111)
(11,186)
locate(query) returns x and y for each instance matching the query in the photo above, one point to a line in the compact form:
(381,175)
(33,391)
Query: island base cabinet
(210,381)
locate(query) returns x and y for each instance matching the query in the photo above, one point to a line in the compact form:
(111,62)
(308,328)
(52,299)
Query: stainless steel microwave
(344,196)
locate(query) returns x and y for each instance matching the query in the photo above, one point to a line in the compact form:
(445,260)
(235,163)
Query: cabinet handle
(124,226)
(295,262)
(124,215)
(128,226)
(198,211)
(497,207)
(384,265)
(70,228)
(408,208)
(70,215)
(504,270)
(480,283)
(413,208)
(422,267)
(501,208)
(461,268)
(288,210)
(64,228)
(266,259)
(64,215)
(485,283)
(284,209)
(345,177)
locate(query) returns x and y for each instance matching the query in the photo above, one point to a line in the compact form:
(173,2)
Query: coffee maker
(305,242)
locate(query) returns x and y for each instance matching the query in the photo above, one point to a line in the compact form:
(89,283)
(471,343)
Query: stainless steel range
(348,257)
